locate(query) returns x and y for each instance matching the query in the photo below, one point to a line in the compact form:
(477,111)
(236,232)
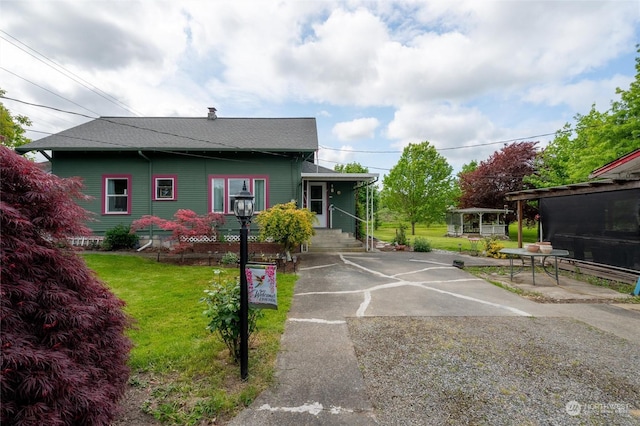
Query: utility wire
(135,127)
(69,74)
(453,147)
(50,91)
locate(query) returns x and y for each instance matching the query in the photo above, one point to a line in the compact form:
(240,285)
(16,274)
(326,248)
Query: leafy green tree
(596,139)
(361,195)
(466,168)
(287,225)
(12,127)
(420,186)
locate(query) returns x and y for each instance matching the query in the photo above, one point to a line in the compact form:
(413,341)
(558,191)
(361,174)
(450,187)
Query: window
(117,194)
(164,188)
(224,188)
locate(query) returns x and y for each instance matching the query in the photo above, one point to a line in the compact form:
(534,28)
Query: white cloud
(360,128)
(456,73)
(581,95)
(330,157)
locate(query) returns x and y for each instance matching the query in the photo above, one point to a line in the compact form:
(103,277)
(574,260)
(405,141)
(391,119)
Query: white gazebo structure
(476,221)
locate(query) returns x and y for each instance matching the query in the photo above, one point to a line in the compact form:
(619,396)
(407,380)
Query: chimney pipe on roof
(212,113)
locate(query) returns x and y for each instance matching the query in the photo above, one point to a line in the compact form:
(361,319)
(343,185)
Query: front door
(318,202)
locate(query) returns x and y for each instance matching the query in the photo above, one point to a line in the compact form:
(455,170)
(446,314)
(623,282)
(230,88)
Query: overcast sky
(464,75)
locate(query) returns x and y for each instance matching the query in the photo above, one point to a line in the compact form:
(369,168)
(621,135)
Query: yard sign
(261,280)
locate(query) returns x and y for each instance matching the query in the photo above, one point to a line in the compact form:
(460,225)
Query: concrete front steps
(334,240)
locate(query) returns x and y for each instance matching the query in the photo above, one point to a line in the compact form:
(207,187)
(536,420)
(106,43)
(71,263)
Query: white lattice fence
(228,238)
(199,239)
(85,241)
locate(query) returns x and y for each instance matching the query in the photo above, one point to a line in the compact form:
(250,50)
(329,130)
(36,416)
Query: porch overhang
(340,177)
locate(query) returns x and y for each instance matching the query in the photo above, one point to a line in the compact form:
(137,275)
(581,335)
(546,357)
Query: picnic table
(522,253)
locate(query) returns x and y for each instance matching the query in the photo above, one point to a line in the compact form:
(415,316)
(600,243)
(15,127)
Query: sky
(467,76)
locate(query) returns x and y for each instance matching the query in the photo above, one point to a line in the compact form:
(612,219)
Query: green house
(135,166)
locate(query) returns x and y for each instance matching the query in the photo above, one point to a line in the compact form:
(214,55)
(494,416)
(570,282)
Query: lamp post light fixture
(243,209)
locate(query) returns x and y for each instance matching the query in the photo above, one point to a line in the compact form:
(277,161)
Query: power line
(132,126)
(50,91)
(184,154)
(69,74)
(338,162)
(450,148)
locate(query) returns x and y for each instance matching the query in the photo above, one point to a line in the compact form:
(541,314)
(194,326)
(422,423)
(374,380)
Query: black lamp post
(243,209)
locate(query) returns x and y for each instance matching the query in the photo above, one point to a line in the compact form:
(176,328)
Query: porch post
(366,218)
(519,223)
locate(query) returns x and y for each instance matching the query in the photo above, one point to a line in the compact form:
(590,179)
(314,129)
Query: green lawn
(436,235)
(187,369)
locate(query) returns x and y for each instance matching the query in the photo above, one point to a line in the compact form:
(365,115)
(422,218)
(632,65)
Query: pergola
(476,220)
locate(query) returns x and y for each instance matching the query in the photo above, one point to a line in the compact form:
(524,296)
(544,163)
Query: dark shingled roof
(178,133)
(309,167)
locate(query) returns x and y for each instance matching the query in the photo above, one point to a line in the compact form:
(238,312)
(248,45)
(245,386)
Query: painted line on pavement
(371,271)
(473,299)
(423,270)
(317,267)
(317,320)
(364,305)
(429,261)
(314,408)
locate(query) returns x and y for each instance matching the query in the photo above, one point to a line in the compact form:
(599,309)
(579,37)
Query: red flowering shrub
(186,224)
(64,351)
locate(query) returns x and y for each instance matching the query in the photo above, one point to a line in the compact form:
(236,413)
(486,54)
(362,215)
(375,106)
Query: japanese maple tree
(186,224)
(64,351)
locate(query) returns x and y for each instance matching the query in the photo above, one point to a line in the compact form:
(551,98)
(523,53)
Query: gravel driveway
(496,371)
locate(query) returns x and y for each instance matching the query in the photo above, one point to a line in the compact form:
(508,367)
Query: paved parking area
(319,378)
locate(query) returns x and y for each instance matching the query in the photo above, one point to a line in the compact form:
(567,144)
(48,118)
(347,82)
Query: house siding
(345,201)
(192,172)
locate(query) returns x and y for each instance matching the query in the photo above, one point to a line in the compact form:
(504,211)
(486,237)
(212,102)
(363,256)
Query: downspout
(150,208)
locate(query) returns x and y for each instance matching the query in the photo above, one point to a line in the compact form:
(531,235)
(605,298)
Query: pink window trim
(250,179)
(154,187)
(104,194)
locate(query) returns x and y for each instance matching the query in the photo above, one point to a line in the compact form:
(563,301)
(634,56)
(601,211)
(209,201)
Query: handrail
(332,207)
(369,237)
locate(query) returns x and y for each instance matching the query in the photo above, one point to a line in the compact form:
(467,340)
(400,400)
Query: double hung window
(116,194)
(225,188)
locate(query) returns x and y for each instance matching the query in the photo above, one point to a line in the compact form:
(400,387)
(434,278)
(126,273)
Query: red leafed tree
(186,224)
(503,172)
(64,351)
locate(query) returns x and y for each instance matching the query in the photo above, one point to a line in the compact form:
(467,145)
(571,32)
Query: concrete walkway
(318,381)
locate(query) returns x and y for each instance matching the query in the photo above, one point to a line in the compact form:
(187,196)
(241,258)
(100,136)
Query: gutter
(150,209)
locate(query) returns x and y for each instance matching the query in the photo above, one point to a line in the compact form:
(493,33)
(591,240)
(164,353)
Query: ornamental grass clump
(64,349)
(223,309)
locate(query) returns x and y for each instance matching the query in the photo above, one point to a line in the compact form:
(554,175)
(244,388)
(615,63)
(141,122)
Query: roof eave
(355,177)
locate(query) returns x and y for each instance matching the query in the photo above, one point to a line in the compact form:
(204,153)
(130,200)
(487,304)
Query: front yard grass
(186,370)
(436,234)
